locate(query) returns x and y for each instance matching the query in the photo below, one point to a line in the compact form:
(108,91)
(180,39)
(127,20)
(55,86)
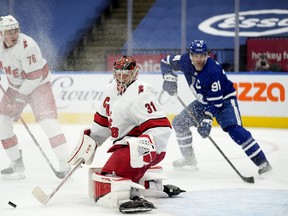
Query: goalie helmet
(125,72)
(198,47)
(8,23)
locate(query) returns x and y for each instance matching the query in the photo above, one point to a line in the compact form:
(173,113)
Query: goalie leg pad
(152,181)
(107,184)
(110,190)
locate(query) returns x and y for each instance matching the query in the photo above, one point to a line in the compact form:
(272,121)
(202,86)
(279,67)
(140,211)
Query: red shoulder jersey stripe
(151,123)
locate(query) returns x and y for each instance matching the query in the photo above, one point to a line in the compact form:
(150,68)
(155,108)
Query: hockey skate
(172,190)
(185,161)
(264,168)
(139,204)
(15,170)
(136,205)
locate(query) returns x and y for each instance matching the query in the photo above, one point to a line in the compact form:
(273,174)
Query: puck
(12,204)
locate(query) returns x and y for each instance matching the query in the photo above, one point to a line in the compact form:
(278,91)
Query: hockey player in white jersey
(28,78)
(132,118)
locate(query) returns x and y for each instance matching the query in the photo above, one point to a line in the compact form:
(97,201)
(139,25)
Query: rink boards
(262,97)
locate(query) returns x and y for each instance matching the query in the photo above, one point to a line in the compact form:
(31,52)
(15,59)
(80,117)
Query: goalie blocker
(85,149)
(114,191)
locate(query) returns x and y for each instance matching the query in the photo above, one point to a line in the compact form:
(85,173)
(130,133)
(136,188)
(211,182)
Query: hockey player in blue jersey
(215,98)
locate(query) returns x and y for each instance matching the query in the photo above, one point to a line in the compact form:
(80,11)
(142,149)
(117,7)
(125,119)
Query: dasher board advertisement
(262,97)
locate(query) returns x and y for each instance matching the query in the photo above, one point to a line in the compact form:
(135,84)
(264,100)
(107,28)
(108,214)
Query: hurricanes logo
(254,23)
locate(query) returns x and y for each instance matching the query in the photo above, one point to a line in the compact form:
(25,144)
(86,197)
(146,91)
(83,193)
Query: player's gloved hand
(170,83)
(142,150)
(84,150)
(205,126)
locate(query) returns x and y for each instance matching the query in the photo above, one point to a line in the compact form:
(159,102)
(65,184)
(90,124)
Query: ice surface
(215,189)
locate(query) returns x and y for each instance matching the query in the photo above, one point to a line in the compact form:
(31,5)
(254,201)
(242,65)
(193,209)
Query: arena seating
(161,28)
(57,25)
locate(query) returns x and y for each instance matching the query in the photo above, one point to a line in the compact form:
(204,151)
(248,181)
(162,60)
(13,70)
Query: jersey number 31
(150,107)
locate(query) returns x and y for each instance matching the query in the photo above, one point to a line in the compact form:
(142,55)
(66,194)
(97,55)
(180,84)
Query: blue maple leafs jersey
(210,86)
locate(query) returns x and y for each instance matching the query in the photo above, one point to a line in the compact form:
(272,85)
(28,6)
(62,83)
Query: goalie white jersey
(130,115)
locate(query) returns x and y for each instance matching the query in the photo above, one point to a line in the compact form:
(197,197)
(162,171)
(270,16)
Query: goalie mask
(125,72)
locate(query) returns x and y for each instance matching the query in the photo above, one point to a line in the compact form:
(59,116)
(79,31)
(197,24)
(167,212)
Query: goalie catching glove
(142,150)
(85,149)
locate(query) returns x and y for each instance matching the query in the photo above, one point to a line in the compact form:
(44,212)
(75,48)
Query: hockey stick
(58,174)
(44,198)
(245,179)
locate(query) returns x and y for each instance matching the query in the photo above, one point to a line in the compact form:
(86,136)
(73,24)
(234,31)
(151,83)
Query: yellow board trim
(248,121)
(65,118)
(252,121)
(266,122)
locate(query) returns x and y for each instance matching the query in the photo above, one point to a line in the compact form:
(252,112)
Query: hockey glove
(85,150)
(170,83)
(205,127)
(142,150)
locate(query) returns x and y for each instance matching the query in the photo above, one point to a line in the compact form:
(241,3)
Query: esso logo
(251,23)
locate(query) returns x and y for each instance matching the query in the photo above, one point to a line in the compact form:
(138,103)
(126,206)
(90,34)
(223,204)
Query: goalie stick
(44,198)
(245,179)
(58,174)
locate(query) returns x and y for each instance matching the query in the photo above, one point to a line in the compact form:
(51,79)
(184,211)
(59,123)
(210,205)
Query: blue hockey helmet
(198,47)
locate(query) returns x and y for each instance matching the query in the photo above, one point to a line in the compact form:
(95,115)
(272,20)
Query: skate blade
(135,210)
